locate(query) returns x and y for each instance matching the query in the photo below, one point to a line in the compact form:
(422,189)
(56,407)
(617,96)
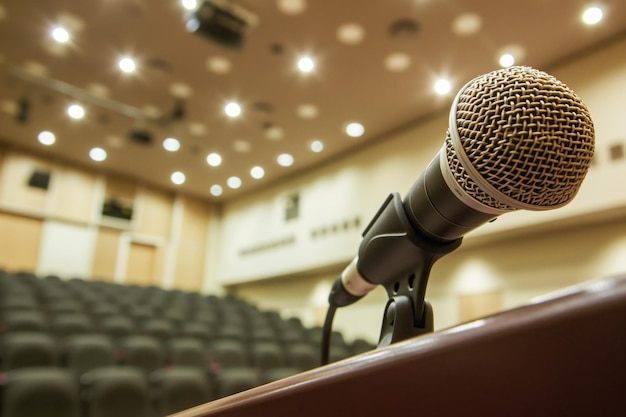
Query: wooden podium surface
(562,356)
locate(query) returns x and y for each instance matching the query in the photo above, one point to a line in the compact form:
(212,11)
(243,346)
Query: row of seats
(174,349)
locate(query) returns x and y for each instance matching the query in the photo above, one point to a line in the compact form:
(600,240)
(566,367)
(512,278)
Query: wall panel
(105,254)
(20,239)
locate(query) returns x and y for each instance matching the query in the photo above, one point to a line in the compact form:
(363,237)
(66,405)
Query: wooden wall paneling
(192,248)
(73,192)
(14,175)
(140,269)
(20,239)
(105,254)
(154,213)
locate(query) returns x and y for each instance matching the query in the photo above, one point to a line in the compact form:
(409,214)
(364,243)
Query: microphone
(518,138)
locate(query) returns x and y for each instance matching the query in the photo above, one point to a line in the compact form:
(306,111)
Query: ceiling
(375,63)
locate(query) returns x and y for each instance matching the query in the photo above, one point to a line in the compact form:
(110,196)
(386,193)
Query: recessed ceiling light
(291,7)
(218,65)
(274,133)
(442,86)
(178,178)
(350,33)
(60,34)
(181,90)
(171,144)
(216,190)
(197,129)
(232,109)
(467,24)
(189,4)
(285,160)
(306,64)
(36,68)
(242,146)
(127,65)
(76,111)
(397,62)
(257,172)
(592,15)
(317,146)
(98,154)
(355,129)
(506,60)
(233,182)
(46,138)
(214,159)
(307,111)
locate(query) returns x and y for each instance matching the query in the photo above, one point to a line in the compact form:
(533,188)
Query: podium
(562,355)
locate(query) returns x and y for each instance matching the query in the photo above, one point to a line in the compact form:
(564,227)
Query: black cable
(326,333)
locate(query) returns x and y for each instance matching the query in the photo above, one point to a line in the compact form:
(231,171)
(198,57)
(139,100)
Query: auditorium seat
(143,352)
(116,391)
(117,327)
(140,313)
(24,320)
(233,380)
(198,330)
(303,356)
(188,352)
(40,392)
(232,331)
(228,354)
(160,329)
(28,349)
(175,389)
(87,352)
(65,325)
(267,355)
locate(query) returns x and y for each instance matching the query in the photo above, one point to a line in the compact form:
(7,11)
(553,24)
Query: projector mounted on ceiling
(222,22)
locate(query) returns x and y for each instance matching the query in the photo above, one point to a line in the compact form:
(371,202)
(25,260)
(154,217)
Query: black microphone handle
(436,210)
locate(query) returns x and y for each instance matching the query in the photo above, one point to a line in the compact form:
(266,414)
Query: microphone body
(517,139)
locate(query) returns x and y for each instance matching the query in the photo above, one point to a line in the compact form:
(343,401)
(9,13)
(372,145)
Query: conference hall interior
(182,182)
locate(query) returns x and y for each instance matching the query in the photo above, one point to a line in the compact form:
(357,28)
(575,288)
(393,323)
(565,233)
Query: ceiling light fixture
(442,87)
(171,144)
(46,138)
(355,130)
(592,15)
(232,109)
(189,4)
(234,182)
(60,34)
(216,190)
(317,146)
(127,65)
(98,154)
(506,60)
(178,178)
(306,64)
(285,160)
(257,172)
(214,159)
(76,111)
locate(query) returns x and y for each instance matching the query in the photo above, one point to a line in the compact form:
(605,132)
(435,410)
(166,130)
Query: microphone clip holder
(397,255)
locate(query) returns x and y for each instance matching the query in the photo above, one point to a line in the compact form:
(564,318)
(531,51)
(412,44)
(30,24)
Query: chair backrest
(116,391)
(188,352)
(117,327)
(161,329)
(178,388)
(229,354)
(143,352)
(267,355)
(303,356)
(24,320)
(87,352)
(28,349)
(233,380)
(40,392)
(65,325)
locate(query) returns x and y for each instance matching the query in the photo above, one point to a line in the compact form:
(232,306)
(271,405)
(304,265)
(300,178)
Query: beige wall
(154,248)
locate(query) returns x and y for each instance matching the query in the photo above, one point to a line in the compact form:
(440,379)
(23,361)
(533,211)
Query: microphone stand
(397,255)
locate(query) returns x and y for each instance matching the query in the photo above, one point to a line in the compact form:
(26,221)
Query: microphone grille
(522,139)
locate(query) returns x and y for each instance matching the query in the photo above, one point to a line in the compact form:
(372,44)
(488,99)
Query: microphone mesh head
(522,139)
